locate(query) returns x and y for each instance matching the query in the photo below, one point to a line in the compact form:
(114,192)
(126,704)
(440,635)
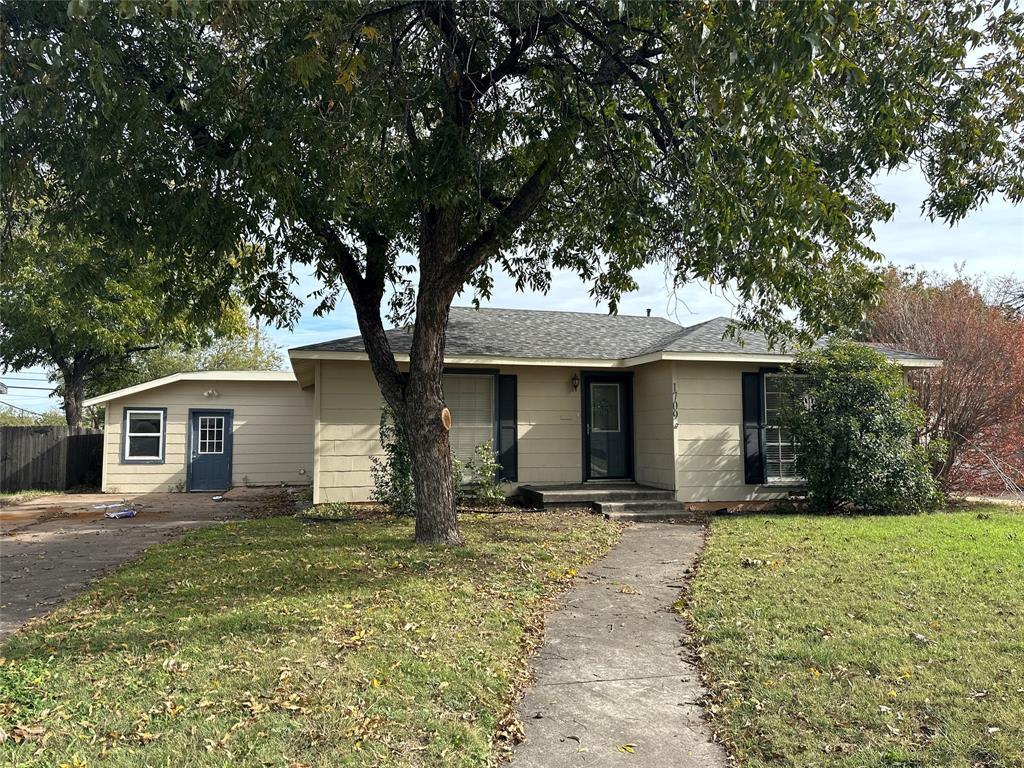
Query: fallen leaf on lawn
(22,733)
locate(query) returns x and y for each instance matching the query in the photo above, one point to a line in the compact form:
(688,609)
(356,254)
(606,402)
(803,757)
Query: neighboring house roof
(193,376)
(543,335)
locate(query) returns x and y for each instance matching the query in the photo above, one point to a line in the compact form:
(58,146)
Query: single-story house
(564,397)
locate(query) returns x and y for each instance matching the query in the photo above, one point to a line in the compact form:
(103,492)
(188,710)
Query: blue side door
(209,450)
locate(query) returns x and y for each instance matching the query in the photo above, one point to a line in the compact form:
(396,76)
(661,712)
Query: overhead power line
(19,408)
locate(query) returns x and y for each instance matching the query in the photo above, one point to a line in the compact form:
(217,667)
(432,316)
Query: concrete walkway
(614,670)
(51,547)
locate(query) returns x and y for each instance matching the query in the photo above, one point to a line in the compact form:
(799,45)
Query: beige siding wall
(701,457)
(272,433)
(349,416)
(709,438)
(350,403)
(550,433)
(655,451)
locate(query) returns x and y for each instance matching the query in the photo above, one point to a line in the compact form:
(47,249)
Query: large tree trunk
(74,394)
(431,467)
(424,401)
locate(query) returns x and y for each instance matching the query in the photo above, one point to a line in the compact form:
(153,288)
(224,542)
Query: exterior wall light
(575,381)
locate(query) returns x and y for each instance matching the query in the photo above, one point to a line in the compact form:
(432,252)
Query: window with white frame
(144,434)
(780,448)
(211,434)
(470,398)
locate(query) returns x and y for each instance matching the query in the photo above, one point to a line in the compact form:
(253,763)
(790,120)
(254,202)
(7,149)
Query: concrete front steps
(628,502)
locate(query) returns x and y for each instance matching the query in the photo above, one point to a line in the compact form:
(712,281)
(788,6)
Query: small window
(780,449)
(211,434)
(144,435)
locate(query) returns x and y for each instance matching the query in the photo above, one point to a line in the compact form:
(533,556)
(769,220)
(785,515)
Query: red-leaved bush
(975,401)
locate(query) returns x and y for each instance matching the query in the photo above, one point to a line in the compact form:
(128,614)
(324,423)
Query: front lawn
(866,641)
(281,643)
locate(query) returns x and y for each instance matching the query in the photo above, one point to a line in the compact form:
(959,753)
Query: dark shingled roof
(580,335)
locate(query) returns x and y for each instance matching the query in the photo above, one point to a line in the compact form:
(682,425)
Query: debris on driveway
(120,514)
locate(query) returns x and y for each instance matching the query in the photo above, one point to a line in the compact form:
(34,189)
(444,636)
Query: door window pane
(211,434)
(604,408)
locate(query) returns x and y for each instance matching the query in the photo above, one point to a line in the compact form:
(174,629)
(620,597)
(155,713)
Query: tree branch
(523,203)
(366,293)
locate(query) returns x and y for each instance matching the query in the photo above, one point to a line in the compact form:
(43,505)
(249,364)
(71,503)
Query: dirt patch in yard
(53,546)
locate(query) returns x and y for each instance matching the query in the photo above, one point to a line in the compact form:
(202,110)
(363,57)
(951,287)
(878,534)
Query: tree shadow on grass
(273,578)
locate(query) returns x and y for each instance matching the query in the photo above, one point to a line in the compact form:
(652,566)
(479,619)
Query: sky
(989,242)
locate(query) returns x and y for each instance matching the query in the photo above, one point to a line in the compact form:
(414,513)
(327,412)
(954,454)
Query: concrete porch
(626,501)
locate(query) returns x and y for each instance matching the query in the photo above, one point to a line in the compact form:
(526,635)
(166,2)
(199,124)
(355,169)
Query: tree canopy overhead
(86,310)
(736,142)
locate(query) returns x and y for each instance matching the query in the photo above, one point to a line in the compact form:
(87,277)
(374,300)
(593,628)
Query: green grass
(866,641)
(278,643)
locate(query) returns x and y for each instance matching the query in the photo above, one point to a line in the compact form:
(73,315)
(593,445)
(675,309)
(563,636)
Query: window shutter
(753,430)
(508,455)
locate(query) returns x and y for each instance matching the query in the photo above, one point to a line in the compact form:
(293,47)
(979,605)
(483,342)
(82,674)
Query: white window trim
(128,434)
(222,429)
(778,480)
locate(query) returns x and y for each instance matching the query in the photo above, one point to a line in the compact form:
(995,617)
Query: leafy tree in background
(85,310)
(407,150)
(12,416)
(978,393)
(857,426)
(247,348)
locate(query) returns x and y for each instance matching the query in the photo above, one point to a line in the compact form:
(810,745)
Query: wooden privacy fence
(50,458)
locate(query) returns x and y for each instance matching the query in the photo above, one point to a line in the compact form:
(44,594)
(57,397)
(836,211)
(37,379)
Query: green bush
(484,476)
(856,423)
(392,473)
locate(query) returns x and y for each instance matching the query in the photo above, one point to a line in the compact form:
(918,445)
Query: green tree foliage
(11,416)
(734,142)
(244,348)
(73,304)
(857,425)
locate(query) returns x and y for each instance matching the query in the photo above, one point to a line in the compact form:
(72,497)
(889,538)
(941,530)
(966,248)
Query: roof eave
(626,362)
(163,381)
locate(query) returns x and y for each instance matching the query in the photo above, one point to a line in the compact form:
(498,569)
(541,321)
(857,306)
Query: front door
(608,426)
(209,451)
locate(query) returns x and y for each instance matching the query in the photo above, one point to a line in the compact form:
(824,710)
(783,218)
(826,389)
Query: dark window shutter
(753,429)
(508,452)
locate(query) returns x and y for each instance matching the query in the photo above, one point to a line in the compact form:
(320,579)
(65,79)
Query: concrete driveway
(51,547)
